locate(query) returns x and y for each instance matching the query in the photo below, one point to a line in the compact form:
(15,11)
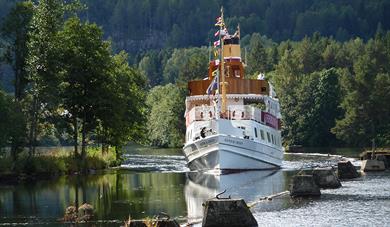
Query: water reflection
(248,185)
(168,187)
(114,195)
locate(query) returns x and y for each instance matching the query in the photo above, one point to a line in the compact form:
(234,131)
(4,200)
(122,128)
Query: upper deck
(234,86)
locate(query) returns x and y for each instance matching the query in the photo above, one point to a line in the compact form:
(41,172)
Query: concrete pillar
(326,178)
(372,165)
(304,185)
(227,212)
(346,170)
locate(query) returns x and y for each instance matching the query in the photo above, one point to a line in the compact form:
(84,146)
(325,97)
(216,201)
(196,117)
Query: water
(160,181)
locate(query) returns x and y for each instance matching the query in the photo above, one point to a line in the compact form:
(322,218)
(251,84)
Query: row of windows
(271,138)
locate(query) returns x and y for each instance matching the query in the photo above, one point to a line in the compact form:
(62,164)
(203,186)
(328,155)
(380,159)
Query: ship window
(255,132)
(268,137)
(263,89)
(262,134)
(237,73)
(273,140)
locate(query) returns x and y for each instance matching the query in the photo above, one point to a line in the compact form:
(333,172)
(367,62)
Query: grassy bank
(55,162)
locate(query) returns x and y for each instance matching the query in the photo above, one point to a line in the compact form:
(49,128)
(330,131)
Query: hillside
(137,25)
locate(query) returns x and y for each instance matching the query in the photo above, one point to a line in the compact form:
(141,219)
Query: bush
(58,162)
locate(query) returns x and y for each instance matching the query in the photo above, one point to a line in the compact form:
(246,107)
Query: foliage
(366,100)
(330,92)
(123,112)
(14,30)
(185,65)
(57,162)
(165,121)
(12,125)
(74,85)
(140,25)
(257,58)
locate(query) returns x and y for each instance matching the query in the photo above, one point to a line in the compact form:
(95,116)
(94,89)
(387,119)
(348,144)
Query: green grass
(57,161)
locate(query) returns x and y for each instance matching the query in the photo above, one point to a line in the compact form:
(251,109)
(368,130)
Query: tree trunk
(17,86)
(75,137)
(14,153)
(33,127)
(84,143)
(76,197)
(118,152)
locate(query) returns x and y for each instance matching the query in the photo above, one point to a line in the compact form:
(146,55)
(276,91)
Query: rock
(86,208)
(304,185)
(85,212)
(70,214)
(346,170)
(227,212)
(373,165)
(326,178)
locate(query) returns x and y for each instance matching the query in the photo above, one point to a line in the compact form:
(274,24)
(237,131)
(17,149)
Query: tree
(165,121)
(321,110)
(11,133)
(85,76)
(257,57)
(365,102)
(150,66)
(186,64)
(43,62)
(15,29)
(123,113)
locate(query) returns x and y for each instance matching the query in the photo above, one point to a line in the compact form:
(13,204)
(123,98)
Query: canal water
(156,181)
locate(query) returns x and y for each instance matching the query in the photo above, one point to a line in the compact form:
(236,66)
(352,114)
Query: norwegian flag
(217,43)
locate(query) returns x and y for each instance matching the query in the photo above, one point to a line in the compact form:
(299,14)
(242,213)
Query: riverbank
(160,182)
(52,163)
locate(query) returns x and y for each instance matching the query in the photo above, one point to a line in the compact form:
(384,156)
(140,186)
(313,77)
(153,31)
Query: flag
(220,24)
(214,73)
(217,43)
(213,85)
(223,32)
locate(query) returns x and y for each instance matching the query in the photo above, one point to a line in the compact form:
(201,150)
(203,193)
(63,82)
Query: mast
(223,84)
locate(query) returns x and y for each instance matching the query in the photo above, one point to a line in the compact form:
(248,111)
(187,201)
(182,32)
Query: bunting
(213,85)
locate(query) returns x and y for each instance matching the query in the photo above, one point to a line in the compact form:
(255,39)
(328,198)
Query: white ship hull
(228,153)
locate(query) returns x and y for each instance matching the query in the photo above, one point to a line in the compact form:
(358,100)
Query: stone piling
(326,178)
(227,212)
(304,185)
(346,170)
(373,165)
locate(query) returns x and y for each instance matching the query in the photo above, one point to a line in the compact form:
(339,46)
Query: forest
(110,72)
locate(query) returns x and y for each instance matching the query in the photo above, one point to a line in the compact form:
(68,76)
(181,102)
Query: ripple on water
(362,202)
(155,163)
(297,161)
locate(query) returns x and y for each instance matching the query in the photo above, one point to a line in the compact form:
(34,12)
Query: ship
(232,123)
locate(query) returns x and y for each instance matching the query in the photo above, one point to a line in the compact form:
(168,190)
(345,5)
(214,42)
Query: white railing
(235,112)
